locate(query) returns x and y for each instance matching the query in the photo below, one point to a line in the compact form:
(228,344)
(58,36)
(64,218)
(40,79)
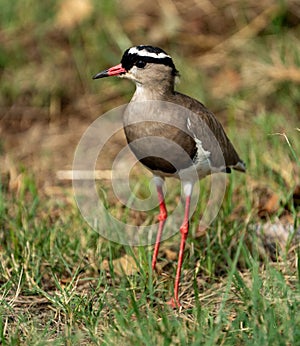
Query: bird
(200,142)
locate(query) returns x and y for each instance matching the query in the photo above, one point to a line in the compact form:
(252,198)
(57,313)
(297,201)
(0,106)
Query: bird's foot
(174,303)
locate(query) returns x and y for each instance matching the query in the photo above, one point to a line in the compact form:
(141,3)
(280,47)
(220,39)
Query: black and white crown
(141,55)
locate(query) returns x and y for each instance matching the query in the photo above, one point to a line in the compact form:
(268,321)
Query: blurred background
(59,278)
(240,58)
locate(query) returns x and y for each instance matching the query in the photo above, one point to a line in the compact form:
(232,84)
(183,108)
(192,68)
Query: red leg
(162,219)
(184,230)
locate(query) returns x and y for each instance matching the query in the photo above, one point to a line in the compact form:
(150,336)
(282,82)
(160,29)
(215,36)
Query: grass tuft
(60,282)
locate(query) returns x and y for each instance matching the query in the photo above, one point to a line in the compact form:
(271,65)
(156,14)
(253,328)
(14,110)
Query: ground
(61,282)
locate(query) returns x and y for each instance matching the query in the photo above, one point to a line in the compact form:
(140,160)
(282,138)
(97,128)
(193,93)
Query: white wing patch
(202,155)
(144,52)
(201,159)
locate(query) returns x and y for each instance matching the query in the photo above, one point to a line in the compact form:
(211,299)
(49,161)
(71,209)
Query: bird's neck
(162,91)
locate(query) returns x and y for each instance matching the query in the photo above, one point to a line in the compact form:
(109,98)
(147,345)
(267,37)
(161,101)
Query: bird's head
(144,65)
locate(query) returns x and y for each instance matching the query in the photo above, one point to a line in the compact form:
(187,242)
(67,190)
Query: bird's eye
(140,63)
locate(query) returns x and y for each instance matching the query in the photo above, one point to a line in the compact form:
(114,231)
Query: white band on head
(144,52)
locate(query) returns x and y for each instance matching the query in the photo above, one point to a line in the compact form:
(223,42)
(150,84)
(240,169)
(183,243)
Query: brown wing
(205,126)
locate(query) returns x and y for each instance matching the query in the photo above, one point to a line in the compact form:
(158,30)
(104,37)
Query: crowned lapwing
(196,131)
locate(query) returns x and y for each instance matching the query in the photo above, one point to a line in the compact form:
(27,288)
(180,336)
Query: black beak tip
(101,75)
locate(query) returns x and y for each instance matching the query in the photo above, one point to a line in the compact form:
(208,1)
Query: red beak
(113,71)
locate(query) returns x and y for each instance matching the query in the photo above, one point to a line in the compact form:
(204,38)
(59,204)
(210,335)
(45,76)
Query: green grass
(53,289)
(60,282)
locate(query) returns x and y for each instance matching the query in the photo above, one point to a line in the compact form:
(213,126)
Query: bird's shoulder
(191,103)
(204,125)
(198,113)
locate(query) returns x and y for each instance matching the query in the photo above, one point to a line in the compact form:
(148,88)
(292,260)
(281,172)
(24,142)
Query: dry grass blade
(238,39)
(280,72)
(61,283)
